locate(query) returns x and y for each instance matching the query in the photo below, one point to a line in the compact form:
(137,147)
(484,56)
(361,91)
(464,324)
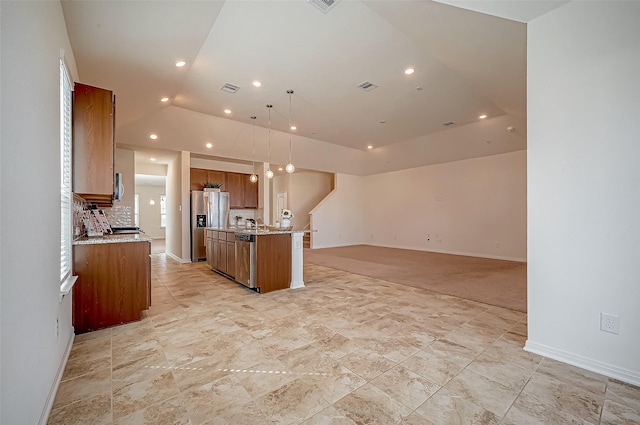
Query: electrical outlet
(610,323)
(57,328)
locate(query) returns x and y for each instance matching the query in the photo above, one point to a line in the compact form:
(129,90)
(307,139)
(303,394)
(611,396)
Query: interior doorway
(151,207)
(281,203)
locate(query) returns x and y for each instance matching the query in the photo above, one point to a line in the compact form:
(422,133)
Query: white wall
(279,184)
(122,212)
(185,204)
(306,190)
(583,196)
(149,218)
(473,207)
(32,356)
(174,234)
(151,169)
(338,218)
(211,164)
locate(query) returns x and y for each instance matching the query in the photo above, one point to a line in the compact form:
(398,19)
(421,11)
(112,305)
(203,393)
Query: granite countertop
(272,231)
(130,237)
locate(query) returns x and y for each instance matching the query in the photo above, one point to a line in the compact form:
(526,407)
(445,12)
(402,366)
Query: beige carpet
(495,282)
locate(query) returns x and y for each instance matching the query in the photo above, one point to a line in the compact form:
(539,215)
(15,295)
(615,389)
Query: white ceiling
(467,63)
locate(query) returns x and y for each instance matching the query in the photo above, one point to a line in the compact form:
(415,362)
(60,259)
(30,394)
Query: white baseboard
(44,417)
(606,369)
(176,258)
(465,254)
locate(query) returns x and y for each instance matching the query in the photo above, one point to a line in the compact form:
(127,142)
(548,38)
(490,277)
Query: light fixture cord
(269,153)
(290,93)
(253,142)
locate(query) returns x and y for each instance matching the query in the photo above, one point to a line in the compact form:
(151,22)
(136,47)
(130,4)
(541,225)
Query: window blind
(66,197)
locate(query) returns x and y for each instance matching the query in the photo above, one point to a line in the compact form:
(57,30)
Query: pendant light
(253,178)
(290,168)
(269,173)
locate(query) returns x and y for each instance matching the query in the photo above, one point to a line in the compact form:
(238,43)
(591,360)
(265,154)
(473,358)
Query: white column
(296,261)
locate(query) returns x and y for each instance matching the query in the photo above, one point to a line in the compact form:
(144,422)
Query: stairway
(306,240)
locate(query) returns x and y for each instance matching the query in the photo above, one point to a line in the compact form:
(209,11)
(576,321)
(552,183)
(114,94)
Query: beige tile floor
(344,350)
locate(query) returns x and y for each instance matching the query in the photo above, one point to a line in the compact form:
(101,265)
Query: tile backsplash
(245,213)
(120,216)
(79,205)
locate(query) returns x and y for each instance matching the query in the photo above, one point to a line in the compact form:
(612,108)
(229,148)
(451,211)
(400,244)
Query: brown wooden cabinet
(235,188)
(200,176)
(221,255)
(231,254)
(250,192)
(114,284)
(93,143)
(273,262)
(242,193)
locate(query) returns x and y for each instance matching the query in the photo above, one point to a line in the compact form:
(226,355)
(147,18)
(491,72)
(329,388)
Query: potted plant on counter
(212,187)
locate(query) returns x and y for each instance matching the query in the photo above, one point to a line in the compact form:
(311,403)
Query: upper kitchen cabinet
(214,176)
(200,176)
(235,188)
(242,193)
(93,143)
(250,192)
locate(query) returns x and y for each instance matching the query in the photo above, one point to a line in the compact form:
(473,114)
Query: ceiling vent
(324,5)
(448,123)
(367,86)
(230,88)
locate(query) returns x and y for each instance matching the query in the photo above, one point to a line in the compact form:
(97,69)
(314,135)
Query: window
(66,198)
(163,211)
(136,211)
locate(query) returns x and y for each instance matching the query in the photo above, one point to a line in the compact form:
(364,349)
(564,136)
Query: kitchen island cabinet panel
(273,262)
(113,287)
(222,252)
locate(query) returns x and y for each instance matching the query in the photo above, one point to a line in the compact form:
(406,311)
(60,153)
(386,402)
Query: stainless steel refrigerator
(208,209)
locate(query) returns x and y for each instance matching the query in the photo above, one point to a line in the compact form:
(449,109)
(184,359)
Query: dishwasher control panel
(245,237)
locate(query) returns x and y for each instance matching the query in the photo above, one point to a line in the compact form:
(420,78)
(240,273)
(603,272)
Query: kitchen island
(265,260)
(114,280)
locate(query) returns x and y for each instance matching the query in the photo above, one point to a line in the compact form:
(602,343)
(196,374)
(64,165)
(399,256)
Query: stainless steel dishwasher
(246,260)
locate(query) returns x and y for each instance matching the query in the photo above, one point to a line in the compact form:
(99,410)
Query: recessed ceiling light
(483,116)
(293,127)
(227,111)
(153,136)
(409,71)
(164,99)
(180,64)
(152,159)
(256,84)
(209,145)
(279,168)
(369,147)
